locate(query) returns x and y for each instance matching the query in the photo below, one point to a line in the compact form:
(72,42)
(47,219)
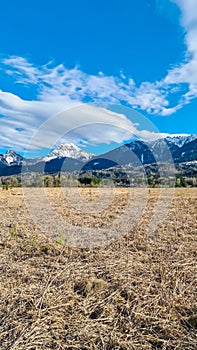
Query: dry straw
(139,292)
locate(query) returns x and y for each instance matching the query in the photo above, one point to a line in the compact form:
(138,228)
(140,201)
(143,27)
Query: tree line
(70,180)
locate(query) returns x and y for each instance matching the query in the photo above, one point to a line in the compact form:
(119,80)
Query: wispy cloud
(58,81)
(61,89)
(40,124)
(87,124)
(186,72)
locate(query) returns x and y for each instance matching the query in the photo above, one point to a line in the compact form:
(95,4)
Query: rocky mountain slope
(68,150)
(69,157)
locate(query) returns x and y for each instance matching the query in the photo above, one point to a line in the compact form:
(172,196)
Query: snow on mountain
(68,150)
(173,144)
(177,141)
(180,141)
(11,158)
(167,149)
(194,162)
(176,148)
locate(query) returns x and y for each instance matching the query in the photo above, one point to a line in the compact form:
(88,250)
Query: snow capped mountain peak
(68,150)
(71,146)
(180,141)
(176,148)
(172,142)
(11,158)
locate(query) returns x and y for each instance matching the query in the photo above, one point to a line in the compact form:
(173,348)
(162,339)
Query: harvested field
(136,290)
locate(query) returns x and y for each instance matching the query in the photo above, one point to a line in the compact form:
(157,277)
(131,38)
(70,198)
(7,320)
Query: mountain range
(69,157)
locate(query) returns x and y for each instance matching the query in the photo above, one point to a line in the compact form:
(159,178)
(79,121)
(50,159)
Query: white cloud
(60,88)
(58,84)
(71,122)
(83,123)
(186,72)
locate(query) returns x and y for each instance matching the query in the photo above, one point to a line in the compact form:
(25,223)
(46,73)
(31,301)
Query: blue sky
(56,55)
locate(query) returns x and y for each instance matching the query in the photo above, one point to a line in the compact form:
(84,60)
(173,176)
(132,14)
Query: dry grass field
(137,291)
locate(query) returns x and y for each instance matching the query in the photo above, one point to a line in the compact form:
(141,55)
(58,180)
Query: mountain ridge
(69,157)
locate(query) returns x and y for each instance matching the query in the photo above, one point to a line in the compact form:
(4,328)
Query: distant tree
(95,181)
(191,181)
(85,181)
(14,182)
(47,181)
(56,180)
(10,182)
(180,182)
(151,181)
